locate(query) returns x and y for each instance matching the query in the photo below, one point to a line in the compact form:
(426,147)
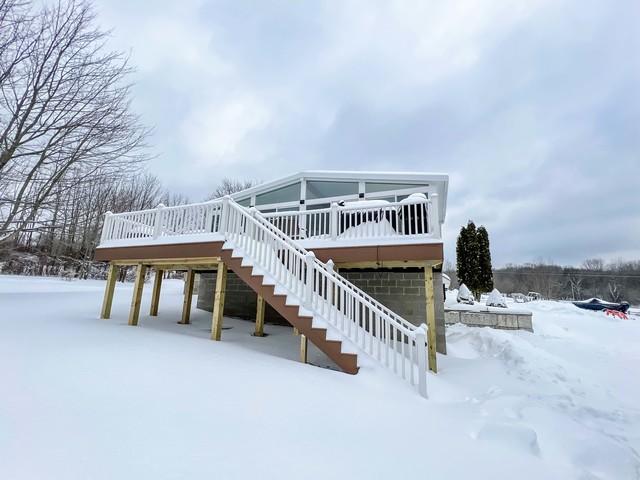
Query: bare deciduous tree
(14,43)
(575,282)
(65,115)
(593,264)
(231,185)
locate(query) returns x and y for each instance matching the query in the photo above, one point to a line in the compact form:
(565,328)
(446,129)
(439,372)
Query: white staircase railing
(385,336)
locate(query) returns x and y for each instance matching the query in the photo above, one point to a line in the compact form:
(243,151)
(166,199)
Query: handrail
(388,338)
(413,216)
(195,218)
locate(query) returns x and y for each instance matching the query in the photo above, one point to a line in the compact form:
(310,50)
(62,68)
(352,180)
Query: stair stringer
(335,349)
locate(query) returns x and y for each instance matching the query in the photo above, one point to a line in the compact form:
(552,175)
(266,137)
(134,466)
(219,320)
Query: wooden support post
(431,317)
(260,317)
(134,312)
(155,295)
(303,348)
(188,296)
(112,276)
(295,331)
(218,301)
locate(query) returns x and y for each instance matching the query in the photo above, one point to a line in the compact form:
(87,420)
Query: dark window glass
(371,187)
(318,206)
(318,189)
(290,193)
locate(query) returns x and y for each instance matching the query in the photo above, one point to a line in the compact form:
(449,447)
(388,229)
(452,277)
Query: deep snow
(87,398)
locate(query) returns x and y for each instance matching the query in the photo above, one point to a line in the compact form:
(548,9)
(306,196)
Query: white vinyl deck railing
(197,218)
(363,220)
(386,337)
(410,218)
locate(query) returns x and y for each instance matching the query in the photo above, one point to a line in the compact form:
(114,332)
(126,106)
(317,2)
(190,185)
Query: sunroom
(373,206)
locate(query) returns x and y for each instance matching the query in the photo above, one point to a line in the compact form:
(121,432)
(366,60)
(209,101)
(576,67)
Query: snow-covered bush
(496,299)
(464,295)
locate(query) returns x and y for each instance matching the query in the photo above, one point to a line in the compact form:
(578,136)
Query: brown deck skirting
(378,254)
(174,250)
(381,253)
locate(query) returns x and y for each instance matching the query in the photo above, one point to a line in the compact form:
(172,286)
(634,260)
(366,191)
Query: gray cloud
(533,110)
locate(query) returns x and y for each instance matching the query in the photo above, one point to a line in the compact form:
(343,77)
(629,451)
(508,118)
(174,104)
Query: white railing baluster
(157,228)
(434,216)
(421,353)
(106,228)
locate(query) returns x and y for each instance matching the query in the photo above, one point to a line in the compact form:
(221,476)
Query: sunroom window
(290,193)
(320,189)
(371,187)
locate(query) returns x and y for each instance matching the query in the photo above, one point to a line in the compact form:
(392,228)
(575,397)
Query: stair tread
(321,330)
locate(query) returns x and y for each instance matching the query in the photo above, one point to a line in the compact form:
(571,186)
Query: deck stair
(339,318)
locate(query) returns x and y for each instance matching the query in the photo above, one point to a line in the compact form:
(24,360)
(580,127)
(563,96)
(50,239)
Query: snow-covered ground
(83,398)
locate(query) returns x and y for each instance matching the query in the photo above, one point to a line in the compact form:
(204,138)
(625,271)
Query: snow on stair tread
(332,333)
(346,345)
(235,251)
(280,290)
(258,271)
(246,262)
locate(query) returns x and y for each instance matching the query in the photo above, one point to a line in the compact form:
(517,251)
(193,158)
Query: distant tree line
(613,281)
(62,238)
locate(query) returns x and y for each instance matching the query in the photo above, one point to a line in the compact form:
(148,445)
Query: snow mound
(521,438)
(495,299)
(464,295)
(414,198)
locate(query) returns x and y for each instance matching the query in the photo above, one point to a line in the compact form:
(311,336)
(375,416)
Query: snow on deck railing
(411,217)
(386,337)
(162,221)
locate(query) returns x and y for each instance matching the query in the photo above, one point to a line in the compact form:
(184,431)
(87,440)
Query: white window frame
(426,189)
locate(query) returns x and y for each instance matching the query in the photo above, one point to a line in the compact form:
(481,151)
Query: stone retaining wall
(506,320)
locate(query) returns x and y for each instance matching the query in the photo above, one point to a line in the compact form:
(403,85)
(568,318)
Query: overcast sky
(532,108)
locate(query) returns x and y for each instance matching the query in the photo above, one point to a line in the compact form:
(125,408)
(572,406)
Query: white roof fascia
(439,180)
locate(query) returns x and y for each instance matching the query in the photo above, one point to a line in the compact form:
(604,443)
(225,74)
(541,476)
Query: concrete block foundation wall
(240,300)
(401,290)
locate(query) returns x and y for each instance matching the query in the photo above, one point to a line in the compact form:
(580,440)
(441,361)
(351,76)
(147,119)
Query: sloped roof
(439,180)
